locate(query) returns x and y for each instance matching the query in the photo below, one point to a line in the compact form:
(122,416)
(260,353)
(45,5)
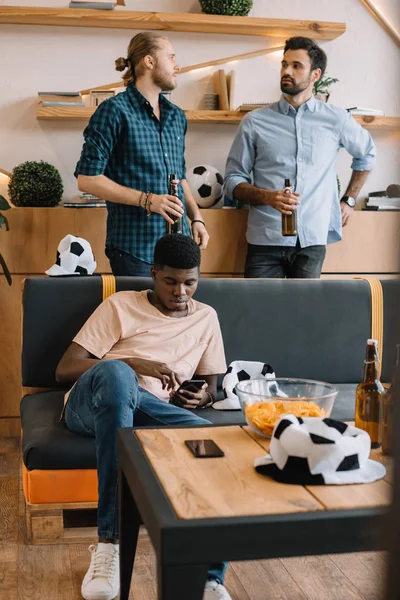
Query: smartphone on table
(204,448)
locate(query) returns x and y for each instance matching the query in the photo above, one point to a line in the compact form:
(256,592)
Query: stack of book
(61,98)
(369,112)
(388,199)
(84,201)
(96,4)
(249,106)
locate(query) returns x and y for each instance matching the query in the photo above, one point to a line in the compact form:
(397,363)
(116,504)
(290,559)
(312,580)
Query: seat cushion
(48,444)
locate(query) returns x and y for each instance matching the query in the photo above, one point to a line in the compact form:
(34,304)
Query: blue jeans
(104,398)
(290,262)
(123,263)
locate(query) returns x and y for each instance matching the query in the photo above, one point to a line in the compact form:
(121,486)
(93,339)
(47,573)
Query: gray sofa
(315,329)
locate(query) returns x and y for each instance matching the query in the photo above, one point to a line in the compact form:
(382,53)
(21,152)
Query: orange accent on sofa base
(70,485)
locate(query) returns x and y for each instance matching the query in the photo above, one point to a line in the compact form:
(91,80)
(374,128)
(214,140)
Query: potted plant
(3,221)
(35,184)
(239,8)
(321,88)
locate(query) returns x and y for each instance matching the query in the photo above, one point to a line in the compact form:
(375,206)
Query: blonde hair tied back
(143,44)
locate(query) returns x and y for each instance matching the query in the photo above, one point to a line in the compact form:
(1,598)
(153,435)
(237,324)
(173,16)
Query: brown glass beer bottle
(369,396)
(177,225)
(289,222)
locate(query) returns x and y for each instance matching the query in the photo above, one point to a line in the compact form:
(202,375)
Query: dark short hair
(176,251)
(317,55)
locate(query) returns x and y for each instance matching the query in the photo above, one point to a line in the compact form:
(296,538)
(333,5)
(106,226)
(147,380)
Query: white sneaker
(101,582)
(215,591)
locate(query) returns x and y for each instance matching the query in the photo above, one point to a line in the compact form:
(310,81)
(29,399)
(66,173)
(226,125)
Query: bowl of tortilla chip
(264,401)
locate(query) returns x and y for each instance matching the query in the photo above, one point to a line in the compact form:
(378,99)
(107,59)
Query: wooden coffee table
(202,511)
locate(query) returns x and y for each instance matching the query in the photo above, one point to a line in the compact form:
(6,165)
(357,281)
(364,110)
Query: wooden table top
(230,486)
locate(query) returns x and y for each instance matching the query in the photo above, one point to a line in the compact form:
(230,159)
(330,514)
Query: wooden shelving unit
(200,23)
(200,116)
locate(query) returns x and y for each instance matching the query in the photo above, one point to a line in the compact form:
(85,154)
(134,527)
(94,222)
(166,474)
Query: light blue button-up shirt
(279,142)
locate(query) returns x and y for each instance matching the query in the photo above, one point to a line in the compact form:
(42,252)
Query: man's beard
(165,83)
(292,89)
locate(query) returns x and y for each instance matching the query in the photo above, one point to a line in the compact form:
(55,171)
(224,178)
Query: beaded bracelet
(142,200)
(148,204)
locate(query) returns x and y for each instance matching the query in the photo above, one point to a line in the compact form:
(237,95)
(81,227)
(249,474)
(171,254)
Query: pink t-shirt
(126,325)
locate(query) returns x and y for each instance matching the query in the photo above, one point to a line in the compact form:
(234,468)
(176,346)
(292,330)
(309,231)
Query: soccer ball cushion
(206,184)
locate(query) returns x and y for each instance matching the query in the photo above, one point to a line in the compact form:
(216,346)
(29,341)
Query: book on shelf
(369,112)
(61,98)
(93,5)
(231,83)
(96,4)
(84,200)
(248,106)
(84,204)
(375,202)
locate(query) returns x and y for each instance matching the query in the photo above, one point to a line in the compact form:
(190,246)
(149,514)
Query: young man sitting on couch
(128,361)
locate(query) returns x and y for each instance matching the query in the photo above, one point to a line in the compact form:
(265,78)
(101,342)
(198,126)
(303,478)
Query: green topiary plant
(240,8)
(3,221)
(35,184)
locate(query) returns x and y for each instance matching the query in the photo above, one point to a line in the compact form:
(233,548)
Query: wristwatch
(350,201)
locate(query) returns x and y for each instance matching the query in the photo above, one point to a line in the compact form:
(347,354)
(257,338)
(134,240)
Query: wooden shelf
(200,23)
(200,116)
(383,123)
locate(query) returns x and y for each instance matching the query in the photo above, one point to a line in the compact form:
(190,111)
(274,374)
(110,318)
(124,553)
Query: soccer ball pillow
(240,370)
(74,257)
(314,451)
(206,183)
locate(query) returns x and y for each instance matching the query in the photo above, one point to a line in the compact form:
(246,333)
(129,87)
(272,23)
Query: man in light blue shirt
(297,138)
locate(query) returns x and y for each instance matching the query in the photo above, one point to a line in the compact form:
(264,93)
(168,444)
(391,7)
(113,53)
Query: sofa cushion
(316,329)
(48,444)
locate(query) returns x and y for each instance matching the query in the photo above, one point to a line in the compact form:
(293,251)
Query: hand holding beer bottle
(177,225)
(289,219)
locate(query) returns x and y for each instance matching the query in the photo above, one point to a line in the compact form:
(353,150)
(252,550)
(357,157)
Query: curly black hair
(176,251)
(317,55)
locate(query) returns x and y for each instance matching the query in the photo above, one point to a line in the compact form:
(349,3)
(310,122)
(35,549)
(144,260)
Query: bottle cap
(372,342)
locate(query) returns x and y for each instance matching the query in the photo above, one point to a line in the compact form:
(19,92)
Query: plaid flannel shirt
(126,142)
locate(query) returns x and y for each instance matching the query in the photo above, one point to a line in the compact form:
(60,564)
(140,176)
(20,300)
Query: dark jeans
(123,263)
(284,262)
(106,397)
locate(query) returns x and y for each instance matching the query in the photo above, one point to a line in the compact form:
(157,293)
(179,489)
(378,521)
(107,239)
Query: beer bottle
(177,225)
(388,411)
(369,396)
(289,222)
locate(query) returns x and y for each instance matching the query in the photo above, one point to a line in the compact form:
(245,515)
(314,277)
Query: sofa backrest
(314,329)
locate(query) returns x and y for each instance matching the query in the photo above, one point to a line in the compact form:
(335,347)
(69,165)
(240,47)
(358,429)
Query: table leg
(129,524)
(181,581)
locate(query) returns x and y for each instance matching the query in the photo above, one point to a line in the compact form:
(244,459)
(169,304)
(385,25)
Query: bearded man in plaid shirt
(133,142)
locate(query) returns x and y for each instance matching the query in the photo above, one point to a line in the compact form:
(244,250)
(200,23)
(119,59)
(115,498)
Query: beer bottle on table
(177,225)
(388,411)
(289,222)
(369,396)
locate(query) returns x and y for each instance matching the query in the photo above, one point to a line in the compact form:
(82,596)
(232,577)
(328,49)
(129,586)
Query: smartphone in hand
(191,385)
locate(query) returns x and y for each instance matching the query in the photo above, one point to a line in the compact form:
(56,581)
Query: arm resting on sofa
(76,361)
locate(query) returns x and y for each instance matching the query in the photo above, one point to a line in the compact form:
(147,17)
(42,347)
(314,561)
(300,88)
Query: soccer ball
(206,185)
(74,257)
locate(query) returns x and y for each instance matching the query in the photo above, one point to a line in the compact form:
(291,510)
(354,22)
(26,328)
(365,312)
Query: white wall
(33,58)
